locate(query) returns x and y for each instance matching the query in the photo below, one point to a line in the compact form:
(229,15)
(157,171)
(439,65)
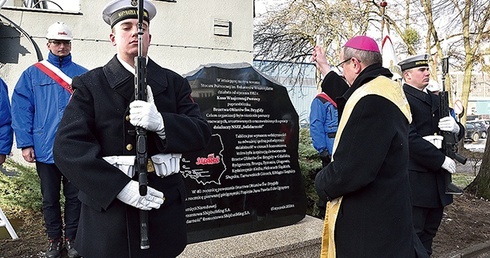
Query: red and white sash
(56,74)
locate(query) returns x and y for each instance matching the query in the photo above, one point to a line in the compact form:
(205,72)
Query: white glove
(449,165)
(448,124)
(131,196)
(435,140)
(123,163)
(166,164)
(145,114)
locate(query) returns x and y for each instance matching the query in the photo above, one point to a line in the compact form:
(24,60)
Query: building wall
(182,35)
(300,82)
(479,99)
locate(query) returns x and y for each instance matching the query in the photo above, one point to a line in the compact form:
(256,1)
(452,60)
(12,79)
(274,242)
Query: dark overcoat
(370,170)
(426,176)
(95,125)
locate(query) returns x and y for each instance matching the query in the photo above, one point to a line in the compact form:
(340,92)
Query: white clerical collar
(128,66)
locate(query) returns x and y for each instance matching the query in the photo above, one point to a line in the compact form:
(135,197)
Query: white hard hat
(59,31)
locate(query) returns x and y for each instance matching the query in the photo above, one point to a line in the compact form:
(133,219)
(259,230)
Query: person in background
(323,125)
(95,146)
(428,164)
(324,118)
(6,134)
(366,184)
(38,102)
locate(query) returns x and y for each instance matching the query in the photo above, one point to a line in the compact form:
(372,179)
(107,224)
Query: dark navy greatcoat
(370,171)
(426,176)
(95,125)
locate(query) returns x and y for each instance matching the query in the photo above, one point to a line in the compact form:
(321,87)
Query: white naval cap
(414,61)
(118,10)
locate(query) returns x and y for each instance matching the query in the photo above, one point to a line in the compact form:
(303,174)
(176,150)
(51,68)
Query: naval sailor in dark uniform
(95,146)
(427,164)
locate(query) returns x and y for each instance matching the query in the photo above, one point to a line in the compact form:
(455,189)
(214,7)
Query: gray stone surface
(477,251)
(302,239)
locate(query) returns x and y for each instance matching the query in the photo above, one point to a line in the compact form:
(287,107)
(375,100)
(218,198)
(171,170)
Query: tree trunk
(481,184)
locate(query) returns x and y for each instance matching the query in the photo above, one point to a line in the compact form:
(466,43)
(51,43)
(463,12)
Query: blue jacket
(6,134)
(38,103)
(323,123)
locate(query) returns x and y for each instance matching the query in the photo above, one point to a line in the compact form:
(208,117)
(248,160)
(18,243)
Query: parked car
(472,133)
(481,127)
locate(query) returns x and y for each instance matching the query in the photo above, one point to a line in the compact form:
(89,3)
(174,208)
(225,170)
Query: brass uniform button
(127,118)
(150,167)
(129,147)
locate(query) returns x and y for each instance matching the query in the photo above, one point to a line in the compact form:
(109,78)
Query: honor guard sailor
(95,146)
(427,163)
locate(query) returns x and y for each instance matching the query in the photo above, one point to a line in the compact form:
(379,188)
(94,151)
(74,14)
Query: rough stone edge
(305,234)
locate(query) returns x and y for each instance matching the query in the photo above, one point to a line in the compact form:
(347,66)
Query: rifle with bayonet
(141,137)
(450,140)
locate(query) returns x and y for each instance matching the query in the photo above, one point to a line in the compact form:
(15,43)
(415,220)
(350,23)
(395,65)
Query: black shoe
(54,248)
(71,251)
(453,189)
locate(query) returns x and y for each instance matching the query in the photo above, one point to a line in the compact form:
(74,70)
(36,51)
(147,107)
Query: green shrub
(310,164)
(22,190)
(411,36)
(462,180)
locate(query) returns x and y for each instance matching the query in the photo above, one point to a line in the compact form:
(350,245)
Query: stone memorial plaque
(248,178)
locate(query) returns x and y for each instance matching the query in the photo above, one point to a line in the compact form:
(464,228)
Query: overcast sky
(261,6)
